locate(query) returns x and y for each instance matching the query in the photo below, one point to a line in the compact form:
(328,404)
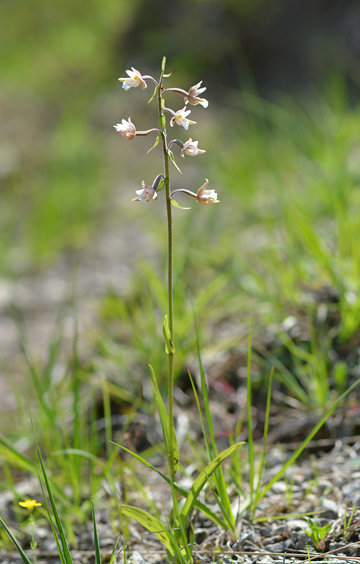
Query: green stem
(162,121)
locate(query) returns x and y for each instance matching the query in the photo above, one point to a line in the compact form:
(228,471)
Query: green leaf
(165,423)
(169,346)
(96,538)
(176,205)
(152,524)
(15,457)
(162,183)
(172,158)
(157,140)
(153,96)
(23,555)
(64,544)
(203,508)
(202,479)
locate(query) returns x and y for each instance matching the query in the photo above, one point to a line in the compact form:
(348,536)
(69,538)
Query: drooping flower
(126,128)
(146,194)
(134,80)
(30,504)
(180,118)
(190,147)
(204,196)
(193,96)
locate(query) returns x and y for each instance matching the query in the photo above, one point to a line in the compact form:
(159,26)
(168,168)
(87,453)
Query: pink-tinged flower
(134,80)
(179,117)
(191,148)
(193,96)
(204,196)
(146,194)
(126,128)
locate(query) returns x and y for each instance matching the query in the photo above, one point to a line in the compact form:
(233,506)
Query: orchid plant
(148,193)
(175,538)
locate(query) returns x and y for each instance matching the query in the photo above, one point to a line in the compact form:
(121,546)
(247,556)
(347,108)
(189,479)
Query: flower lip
(126,128)
(134,80)
(146,194)
(180,117)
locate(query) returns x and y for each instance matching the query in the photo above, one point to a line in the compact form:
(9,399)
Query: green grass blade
(206,438)
(152,524)
(61,531)
(201,480)
(51,521)
(165,423)
(303,445)
(96,538)
(15,457)
(219,477)
(266,430)
(249,418)
(115,554)
(23,555)
(203,508)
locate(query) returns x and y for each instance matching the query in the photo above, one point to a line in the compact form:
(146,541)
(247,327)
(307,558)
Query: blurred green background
(283,152)
(60,162)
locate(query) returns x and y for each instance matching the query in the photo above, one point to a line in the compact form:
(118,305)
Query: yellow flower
(30,504)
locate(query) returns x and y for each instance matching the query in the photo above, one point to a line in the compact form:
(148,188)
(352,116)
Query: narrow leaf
(176,205)
(172,158)
(165,422)
(157,141)
(203,508)
(63,540)
(152,524)
(305,442)
(169,346)
(96,538)
(153,96)
(201,480)
(23,555)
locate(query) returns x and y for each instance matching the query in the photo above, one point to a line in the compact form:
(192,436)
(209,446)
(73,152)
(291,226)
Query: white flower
(134,80)
(126,128)
(179,117)
(204,196)
(193,96)
(191,148)
(146,194)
